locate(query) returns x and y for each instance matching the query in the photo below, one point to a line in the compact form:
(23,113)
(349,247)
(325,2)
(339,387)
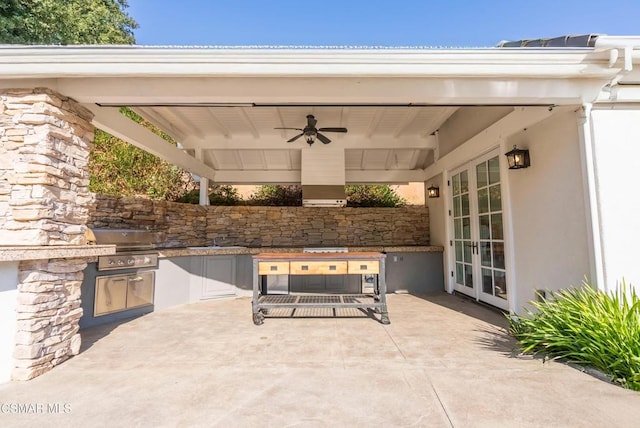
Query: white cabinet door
(218,277)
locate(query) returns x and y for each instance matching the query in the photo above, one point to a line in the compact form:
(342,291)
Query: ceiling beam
(178,114)
(258,177)
(294,177)
(387,176)
(110,120)
(248,122)
(350,141)
(375,121)
(407,120)
(148,113)
(217,123)
(175,122)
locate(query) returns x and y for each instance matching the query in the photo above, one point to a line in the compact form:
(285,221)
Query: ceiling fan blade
(291,140)
(322,138)
(333,129)
(297,129)
(311,121)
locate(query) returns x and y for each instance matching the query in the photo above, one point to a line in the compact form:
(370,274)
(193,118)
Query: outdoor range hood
(323,196)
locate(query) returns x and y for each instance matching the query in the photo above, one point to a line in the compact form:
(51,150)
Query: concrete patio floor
(443,361)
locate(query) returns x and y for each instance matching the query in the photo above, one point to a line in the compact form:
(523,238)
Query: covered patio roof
(222,104)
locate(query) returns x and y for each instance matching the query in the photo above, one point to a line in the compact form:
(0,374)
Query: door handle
(474,247)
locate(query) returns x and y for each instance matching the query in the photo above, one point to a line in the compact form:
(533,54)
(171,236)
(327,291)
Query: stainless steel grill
(124,283)
(134,248)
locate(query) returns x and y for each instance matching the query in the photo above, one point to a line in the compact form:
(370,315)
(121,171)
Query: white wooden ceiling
(243,138)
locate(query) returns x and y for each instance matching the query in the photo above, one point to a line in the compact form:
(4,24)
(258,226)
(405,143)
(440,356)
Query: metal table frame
(261,303)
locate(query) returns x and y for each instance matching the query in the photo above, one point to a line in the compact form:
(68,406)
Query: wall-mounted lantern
(518,158)
(433,191)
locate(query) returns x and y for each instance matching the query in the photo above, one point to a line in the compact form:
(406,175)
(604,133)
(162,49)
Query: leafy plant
(378,195)
(588,327)
(118,168)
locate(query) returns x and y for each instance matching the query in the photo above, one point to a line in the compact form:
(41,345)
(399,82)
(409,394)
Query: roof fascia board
(460,91)
(37,62)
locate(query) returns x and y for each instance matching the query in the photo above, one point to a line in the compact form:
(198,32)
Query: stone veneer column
(44,201)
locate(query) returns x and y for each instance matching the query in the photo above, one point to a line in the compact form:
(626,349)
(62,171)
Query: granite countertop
(213,251)
(32,252)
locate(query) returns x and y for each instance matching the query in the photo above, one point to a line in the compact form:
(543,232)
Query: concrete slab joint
(45,140)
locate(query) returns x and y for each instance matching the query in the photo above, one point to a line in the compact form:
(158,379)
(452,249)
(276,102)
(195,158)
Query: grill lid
(127,239)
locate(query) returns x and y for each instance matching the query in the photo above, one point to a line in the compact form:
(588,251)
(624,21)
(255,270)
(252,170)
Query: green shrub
(358,195)
(218,195)
(588,327)
(275,195)
(376,195)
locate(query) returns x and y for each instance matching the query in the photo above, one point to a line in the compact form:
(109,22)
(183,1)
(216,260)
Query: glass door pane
(462,230)
(491,234)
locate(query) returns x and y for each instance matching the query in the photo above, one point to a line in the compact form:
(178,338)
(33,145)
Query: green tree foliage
(66,22)
(118,168)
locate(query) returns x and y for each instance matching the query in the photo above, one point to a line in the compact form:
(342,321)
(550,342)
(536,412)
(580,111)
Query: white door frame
(448,173)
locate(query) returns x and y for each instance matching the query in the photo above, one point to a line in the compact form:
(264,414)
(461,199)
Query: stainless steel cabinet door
(111,294)
(140,289)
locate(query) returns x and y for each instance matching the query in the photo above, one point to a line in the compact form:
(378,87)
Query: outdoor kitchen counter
(34,252)
(212,251)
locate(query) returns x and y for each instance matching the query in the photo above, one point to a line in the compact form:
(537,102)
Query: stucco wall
(187,225)
(544,205)
(616,142)
(548,209)
(467,122)
(9,304)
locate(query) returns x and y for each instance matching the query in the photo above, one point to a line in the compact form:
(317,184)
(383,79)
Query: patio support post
(591,196)
(204,191)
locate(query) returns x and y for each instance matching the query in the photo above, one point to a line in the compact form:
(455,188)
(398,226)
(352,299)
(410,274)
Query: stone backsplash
(192,225)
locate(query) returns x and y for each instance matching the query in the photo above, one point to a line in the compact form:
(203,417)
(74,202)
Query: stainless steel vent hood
(323,196)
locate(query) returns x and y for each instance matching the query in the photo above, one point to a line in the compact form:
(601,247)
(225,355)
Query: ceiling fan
(310,132)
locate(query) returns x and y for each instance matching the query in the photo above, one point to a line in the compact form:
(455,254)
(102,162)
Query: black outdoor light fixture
(433,191)
(518,158)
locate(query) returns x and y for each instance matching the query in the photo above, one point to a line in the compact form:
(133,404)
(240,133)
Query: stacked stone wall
(48,314)
(187,225)
(181,225)
(44,153)
(45,140)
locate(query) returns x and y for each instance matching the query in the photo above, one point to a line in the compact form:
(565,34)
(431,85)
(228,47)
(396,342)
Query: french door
(478,235)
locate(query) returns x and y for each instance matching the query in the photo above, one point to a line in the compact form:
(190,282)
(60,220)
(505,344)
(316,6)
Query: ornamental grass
(588,327)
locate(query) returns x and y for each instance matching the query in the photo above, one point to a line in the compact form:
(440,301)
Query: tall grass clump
(588,327)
